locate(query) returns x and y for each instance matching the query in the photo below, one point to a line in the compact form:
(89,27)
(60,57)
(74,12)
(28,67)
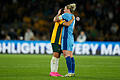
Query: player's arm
(69,22)
(56,18)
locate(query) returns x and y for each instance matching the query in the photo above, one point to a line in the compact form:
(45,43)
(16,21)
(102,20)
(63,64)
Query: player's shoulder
(68,14)
(65,14)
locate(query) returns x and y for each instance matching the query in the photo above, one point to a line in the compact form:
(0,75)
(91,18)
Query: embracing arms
(58,17)
(69,22)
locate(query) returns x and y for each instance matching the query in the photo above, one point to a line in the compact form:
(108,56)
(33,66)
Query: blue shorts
(67,44)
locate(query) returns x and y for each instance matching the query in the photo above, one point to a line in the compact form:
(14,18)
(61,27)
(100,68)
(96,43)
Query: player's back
(68,31)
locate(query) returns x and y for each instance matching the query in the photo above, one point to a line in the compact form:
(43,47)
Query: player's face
(65,10)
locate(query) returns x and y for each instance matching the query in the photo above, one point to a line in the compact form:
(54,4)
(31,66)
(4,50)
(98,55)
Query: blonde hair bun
(72,7)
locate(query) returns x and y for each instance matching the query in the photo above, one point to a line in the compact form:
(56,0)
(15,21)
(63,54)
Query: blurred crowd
(33,19)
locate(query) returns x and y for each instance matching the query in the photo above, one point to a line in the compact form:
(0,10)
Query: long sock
(73,64)
(69,64)
(56,65)
(53,64)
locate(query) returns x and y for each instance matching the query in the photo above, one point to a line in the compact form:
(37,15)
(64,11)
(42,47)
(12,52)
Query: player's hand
(59,12)
(73,17)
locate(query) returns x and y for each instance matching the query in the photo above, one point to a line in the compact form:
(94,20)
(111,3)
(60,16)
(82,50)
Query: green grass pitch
(37,67)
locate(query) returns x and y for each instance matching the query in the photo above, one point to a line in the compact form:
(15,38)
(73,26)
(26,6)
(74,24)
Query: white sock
(56,65)
(53,64)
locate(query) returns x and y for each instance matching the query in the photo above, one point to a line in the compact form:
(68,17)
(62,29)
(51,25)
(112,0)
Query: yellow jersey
(57,32)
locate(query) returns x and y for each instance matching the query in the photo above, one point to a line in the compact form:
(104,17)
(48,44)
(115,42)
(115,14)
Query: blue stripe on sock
(69,64)
(73,64)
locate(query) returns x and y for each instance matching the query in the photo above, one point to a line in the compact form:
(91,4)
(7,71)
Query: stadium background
(99,19)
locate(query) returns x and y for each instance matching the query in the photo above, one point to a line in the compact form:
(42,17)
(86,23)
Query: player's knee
(56,54)
(68,54)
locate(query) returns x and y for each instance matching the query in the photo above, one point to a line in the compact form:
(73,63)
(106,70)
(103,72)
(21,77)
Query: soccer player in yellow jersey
(67,41)
(56,42)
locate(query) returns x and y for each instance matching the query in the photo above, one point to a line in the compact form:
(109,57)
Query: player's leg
(64,47)
(69,57)
(56,65)
(73,65)
(56,55)
(55,60)
(68,62)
